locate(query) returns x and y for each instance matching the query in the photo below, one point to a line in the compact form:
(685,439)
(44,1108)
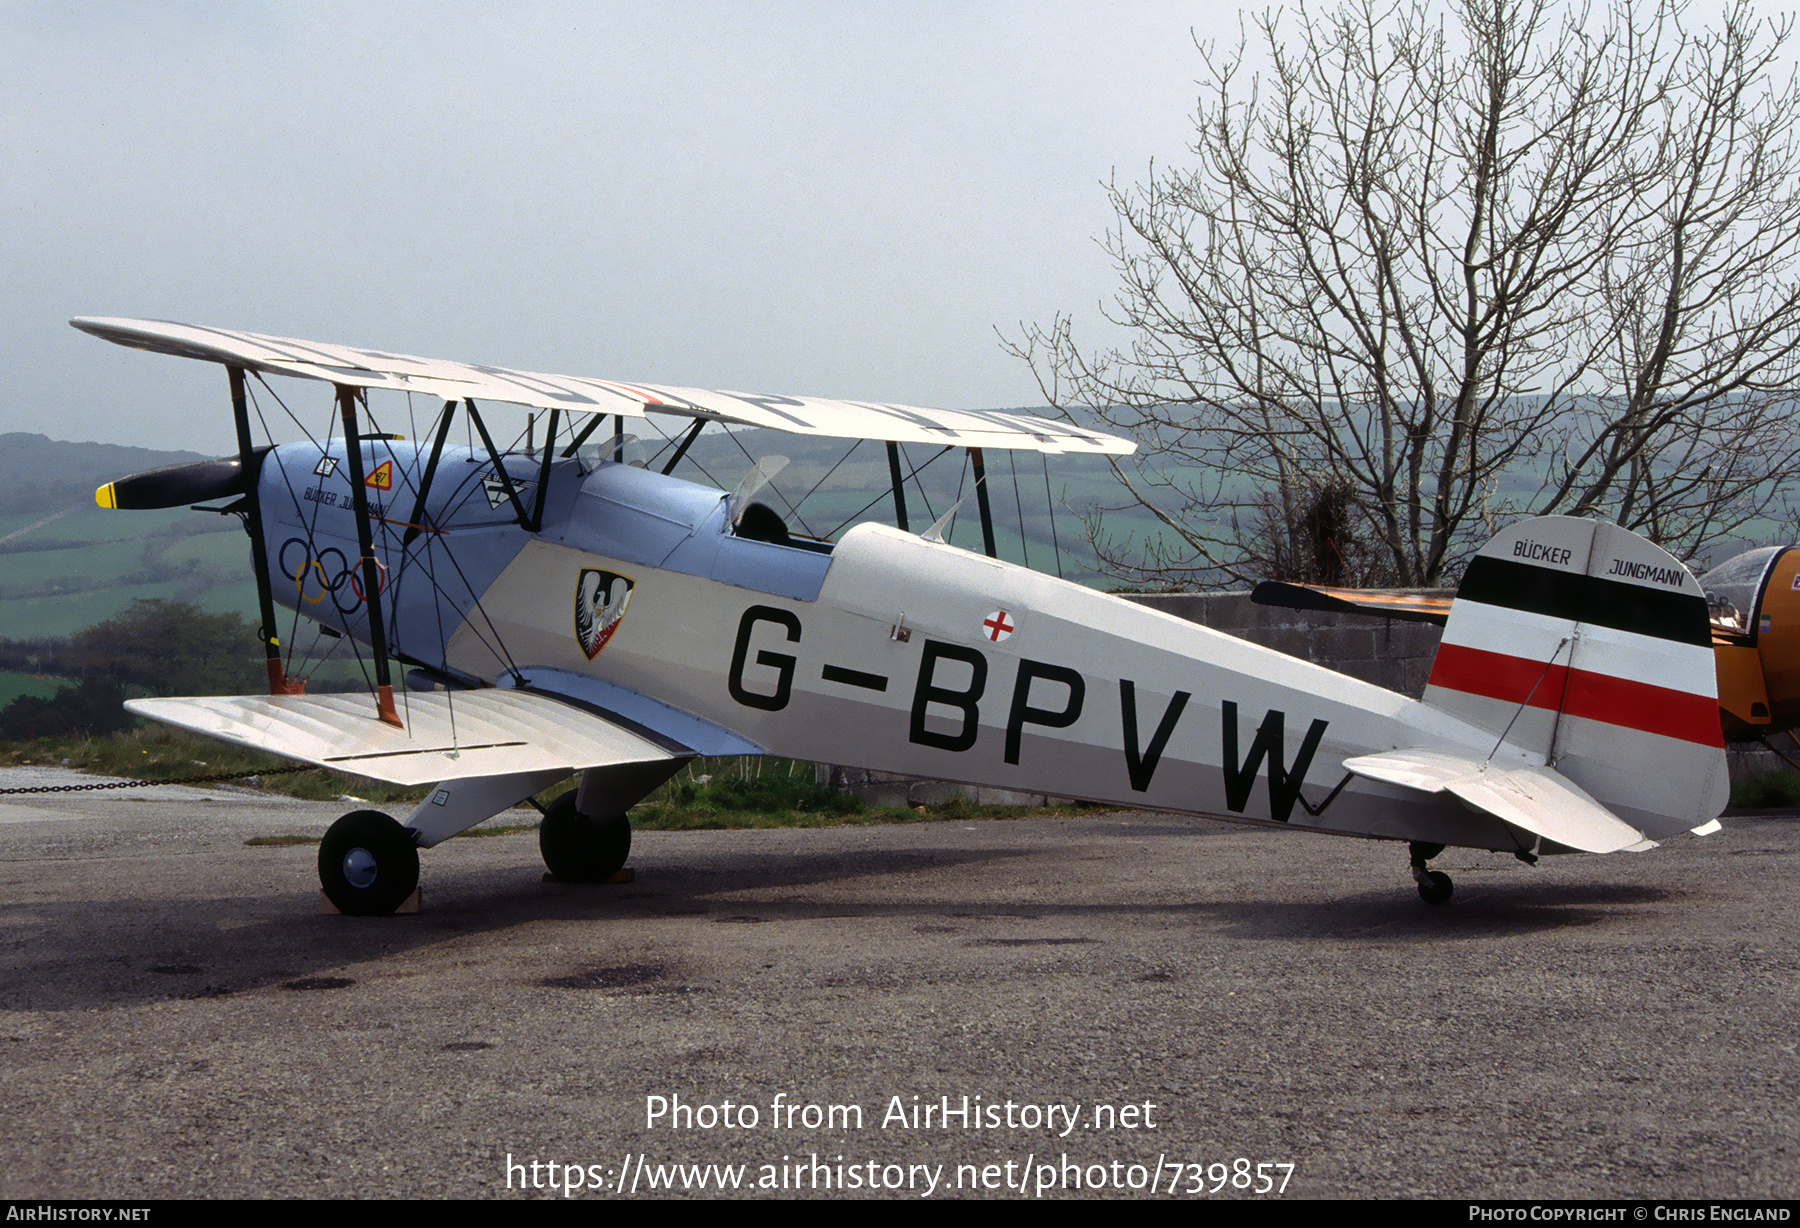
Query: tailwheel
(368,864)
(580,849)
(1435,886)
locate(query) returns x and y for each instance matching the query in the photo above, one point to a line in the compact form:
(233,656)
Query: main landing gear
(585,836)
(1434,885)
(579,849)
(368,864)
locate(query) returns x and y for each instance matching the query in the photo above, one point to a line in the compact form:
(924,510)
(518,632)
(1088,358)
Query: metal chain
(145,784)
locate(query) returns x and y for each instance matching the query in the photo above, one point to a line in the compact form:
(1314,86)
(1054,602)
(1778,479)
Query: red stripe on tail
(1598,697)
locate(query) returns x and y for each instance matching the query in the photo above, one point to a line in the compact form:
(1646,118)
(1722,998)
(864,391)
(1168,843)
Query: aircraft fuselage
(885,651)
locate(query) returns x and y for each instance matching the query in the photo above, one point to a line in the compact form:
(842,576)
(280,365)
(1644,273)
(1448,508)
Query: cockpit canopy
(1734,587)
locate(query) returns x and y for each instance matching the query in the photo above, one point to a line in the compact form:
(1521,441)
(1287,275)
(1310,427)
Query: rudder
(1583,643)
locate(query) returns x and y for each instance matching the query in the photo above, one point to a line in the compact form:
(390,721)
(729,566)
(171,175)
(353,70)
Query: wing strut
(893,451)
(365,544)
(581,436)
(687,440)
(417,518)
(543,490)
(259,549)
(981,502)
(512,492)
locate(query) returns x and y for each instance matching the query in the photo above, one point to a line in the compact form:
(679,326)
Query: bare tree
(1505,264)
(1315,535)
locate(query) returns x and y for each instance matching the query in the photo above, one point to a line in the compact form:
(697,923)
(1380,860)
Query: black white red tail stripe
(1583,643)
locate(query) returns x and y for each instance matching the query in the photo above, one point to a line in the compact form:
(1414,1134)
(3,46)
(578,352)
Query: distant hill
(37,472)
(66,564)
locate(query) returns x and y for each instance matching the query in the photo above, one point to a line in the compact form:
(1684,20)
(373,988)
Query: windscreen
(1732,587)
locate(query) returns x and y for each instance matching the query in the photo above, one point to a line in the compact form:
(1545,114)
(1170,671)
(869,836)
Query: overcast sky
(831,198)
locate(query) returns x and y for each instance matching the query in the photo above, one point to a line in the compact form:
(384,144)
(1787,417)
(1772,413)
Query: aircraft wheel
(1435,887)
(368,864)
(579,849)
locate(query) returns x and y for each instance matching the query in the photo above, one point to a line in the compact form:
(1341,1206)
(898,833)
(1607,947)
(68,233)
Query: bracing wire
(773,489)
(962,478)
(461,492)
(930,512)
(878,498)
(840,460)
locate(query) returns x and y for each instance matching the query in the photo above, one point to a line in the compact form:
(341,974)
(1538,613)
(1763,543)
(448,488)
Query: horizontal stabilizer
(1536,799)
(451,735)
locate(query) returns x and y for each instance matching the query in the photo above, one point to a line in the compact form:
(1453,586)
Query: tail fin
(1581,642)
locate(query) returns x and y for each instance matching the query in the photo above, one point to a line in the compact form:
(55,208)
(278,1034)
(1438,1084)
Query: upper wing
(456,381)
(448,736)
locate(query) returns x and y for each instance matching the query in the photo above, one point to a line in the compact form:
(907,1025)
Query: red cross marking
(998,624)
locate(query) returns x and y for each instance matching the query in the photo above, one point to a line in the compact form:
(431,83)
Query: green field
(13,685)
(87,564)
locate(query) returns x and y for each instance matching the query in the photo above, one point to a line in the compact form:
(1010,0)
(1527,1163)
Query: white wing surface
(452,735)
(456,381)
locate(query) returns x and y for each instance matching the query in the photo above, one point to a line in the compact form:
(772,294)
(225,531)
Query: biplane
(560,610)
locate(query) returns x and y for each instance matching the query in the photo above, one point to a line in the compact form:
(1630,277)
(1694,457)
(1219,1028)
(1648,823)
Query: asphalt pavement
(1120,1004)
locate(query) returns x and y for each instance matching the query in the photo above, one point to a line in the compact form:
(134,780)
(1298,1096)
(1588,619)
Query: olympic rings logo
(327,574)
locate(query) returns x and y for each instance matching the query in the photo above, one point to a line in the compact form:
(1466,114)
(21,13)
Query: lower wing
(448,735)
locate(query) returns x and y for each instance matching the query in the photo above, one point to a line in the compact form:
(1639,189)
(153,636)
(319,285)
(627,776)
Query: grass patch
(13,685)
(1772,788)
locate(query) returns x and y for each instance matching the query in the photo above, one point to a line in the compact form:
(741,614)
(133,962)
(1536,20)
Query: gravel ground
(179,1019)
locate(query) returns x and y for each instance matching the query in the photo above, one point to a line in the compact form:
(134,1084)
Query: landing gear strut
(368,864)
(1434,885)
(579,849)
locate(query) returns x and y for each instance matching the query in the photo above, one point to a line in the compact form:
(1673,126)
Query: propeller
(178,485)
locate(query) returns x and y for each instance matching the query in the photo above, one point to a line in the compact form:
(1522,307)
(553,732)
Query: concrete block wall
(1391,654)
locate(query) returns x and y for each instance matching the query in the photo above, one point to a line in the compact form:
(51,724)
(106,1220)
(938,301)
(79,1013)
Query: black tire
(578,849)
(1437,888)
(368,864)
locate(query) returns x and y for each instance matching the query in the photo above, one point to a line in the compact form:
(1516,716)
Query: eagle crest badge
(600,601)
